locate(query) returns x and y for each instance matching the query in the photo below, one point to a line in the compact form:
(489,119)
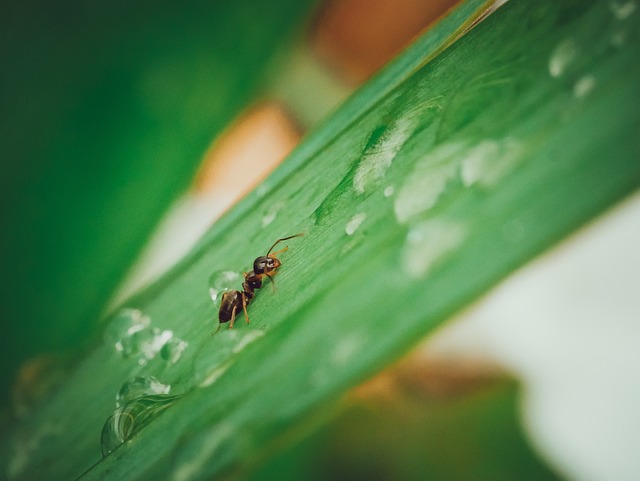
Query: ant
(232,301)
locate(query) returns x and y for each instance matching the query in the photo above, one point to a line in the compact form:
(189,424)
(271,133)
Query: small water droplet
(173,349)
(138,387)
(427,181)
(221,282)
(562,56)
(486,163)
(347,347)
(150,342)
(622,10)
(271,213)
(428,242)
(619,38)
(584,86)
(388,191)
(133,337)
(354,223)
(131,417)
(123,327)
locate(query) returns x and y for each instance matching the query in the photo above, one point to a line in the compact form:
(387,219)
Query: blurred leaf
(107,110)
(471,436)
(460,169)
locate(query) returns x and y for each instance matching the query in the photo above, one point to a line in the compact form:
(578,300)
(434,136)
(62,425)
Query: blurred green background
(107,110)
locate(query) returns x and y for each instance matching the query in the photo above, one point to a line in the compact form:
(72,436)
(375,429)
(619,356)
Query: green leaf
(460,168)
(108,108)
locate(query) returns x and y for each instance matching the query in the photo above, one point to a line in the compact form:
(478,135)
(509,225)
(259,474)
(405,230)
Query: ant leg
(244,306)
(273,282)
(233,317)
(219,325)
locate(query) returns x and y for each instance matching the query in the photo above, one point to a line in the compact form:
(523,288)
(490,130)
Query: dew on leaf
(140,386)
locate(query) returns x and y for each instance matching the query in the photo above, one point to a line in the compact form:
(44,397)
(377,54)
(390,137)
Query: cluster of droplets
(133,337)
(138,402)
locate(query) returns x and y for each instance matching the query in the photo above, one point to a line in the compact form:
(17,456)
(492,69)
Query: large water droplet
(221,282)
(139,387)
(131,417)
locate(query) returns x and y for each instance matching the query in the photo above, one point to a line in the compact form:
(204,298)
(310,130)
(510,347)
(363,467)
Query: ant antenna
(284,239)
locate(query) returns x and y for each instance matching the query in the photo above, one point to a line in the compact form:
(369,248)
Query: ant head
(265,265)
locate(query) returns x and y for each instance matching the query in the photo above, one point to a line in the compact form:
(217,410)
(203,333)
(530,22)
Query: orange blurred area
(427,374)
(357,37)
(247,152)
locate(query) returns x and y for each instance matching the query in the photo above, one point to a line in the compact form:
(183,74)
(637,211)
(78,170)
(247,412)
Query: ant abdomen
(230,304)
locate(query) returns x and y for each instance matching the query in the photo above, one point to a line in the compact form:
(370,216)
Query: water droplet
(124,325)
(354,223)
(221,282)
(131,417)
(133,337)
(429,242)
(622,10)
(138,387)
(271,213)
(619,38)
(379,154)
(486,163)
(346,348)
(388,192)
(427,181)
(172,350)
(584,86)
(562,56)
(151,341)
